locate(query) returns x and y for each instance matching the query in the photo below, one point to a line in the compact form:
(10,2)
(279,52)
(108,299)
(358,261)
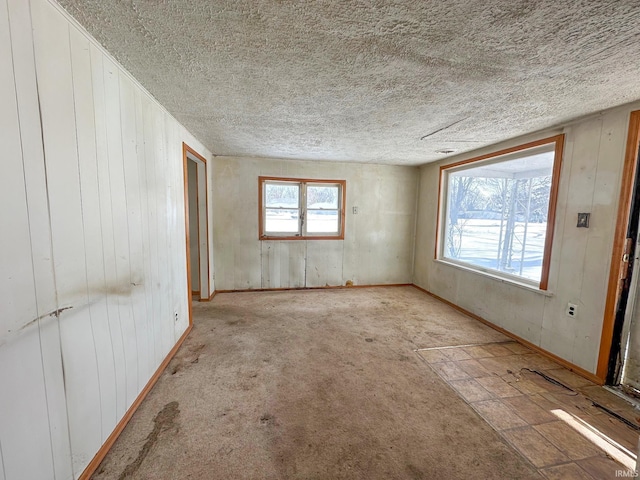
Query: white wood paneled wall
(92,251)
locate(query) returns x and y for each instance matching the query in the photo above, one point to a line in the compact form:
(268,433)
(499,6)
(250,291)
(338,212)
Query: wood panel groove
(122,358)
(75,355)
(18,285)
(110,353)
(88,187)
(84,152)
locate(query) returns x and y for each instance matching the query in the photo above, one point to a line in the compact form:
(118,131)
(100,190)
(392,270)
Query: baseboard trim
(97,459)
(99,456)
(574,368)
(327,287)
(208,299)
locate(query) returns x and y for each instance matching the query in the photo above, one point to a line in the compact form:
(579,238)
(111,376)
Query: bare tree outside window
(496,213)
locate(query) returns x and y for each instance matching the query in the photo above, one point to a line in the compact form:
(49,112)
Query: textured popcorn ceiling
(367,80)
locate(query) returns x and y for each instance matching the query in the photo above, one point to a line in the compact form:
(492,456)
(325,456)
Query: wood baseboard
(97,459)
(328,287)
(99,456)
(210,297)
(574,368)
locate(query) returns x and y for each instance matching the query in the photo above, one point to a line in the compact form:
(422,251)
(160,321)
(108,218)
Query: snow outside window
(296,209)
(498,213)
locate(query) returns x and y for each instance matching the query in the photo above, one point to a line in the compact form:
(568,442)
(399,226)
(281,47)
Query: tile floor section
(565,425)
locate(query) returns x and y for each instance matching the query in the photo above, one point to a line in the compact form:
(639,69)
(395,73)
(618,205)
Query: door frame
(612,328)
(189,154)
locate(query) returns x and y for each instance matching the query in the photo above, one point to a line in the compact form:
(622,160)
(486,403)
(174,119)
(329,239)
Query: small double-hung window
(293,209)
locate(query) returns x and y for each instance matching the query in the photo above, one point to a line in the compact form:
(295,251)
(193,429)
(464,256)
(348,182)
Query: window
(294,209)
(497,211)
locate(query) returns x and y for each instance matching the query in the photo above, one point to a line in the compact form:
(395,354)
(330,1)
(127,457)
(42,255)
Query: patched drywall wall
(581,257)
(93,282)
(375,81)
(378,243)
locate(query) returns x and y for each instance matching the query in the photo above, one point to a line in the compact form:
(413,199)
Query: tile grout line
(494,397)
(447,347)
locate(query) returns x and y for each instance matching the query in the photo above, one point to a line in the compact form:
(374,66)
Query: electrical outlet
(176,314)
(355,210)
(572,310)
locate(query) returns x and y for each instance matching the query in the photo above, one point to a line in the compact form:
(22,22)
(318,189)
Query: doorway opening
(619,358)
(196,224)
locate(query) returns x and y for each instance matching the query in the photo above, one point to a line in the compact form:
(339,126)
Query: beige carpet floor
(318,384)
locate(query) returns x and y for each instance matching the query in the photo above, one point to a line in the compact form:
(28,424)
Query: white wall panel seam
(44,185)
(102,233)
(158,265)
(585,253)
(95,137)
(153,250)
(118,270)
(414,239)
(84,237)
(262,282)
(126,204)
(19,127)
(306,255)
(69,18)
(57,151)
(344,242)
(135,218)
(595,177)
(172,200)
(55,285)
(144,227)
(117,309)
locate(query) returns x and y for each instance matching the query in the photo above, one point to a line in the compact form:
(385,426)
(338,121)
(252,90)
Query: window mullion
(264,208)
(302,217)
(277,213)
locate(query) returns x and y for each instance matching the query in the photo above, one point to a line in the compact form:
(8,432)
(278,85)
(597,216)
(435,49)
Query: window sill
(498,278)
(300,237)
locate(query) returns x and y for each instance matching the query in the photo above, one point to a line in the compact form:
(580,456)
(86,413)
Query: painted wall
(580,261)
(194,225)
(92,254)
(378,244)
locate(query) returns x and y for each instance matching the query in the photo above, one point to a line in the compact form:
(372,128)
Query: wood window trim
(558,140)
(343,187)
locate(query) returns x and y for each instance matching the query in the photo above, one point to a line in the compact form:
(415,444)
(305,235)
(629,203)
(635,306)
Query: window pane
(281,195)
(322,221)
(281,221)
(325,197)
(496,214)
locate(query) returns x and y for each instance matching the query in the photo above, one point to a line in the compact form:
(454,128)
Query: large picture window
(497,211)
(294,209)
